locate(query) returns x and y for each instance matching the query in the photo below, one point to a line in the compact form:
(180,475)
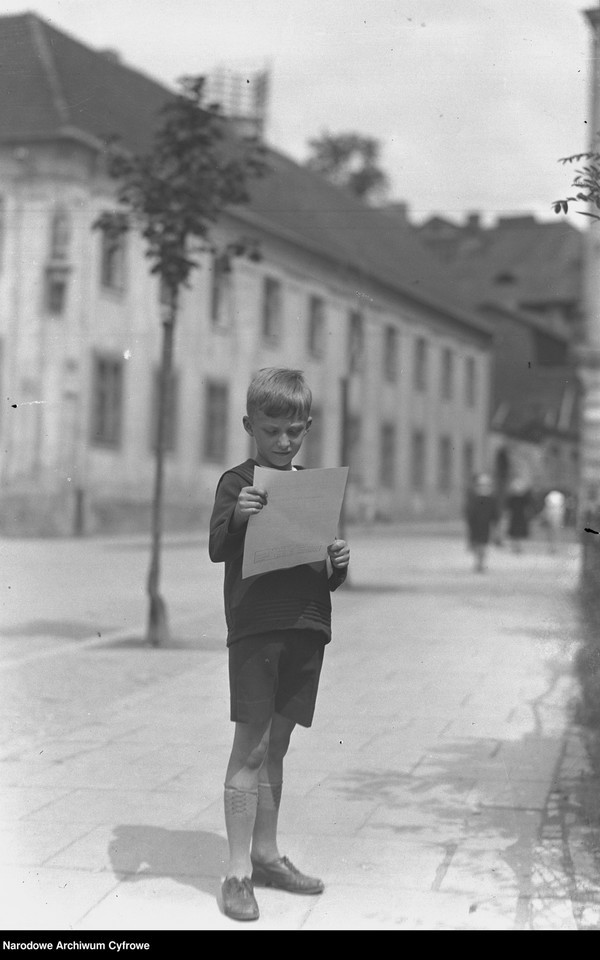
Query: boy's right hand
(250,501)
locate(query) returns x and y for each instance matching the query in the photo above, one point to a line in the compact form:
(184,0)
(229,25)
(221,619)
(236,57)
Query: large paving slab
(444,784)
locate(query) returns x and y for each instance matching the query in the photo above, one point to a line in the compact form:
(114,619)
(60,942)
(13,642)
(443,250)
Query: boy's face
(277,439)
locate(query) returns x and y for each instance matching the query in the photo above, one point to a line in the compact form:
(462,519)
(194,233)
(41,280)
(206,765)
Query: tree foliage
(177,191)
(586,180)
(350,161)
(173,195)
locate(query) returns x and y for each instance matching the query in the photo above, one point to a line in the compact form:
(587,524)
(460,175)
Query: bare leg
(270,781)
(479,551)
(269,867)
(248,752)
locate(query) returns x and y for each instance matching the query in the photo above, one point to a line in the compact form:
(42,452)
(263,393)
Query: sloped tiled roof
(52,85)
(541,260)
(50,82)
(308,208)
(495,308)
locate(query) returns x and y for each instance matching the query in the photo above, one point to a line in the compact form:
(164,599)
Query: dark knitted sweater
(290,599)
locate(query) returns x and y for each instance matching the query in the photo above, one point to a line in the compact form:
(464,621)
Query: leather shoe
(283,875)
(238,899)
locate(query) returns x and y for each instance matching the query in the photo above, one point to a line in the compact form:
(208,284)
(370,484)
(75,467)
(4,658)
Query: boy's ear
(248,425)
(308,423)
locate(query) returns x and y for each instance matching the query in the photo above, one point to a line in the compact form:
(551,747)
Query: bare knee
(250,745)
(279,737)
(256,757)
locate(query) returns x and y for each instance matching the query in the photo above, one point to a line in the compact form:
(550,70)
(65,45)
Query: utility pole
(588,354)
(344,453)
(343,446)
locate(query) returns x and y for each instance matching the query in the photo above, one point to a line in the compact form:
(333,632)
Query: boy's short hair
(279,392)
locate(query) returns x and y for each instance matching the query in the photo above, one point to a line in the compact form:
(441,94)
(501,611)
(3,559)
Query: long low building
(343,291)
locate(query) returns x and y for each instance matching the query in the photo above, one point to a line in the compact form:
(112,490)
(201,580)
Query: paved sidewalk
(440,787)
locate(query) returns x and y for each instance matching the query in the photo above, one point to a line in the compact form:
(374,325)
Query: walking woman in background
(481,514)
(519,509)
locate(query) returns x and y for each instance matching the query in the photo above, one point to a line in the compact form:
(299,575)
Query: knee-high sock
(240,816)
(264,837)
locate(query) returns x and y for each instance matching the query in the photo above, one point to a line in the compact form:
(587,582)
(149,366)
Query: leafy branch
(586,180)
(177,191)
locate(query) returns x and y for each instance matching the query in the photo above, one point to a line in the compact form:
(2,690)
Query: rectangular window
(56,289)
(107,401)
(353,432)
(468,463)
(390,354)
(447,374)
(216,422)
(60,234)
(470,384)
(3,407)
(420,371)
(387,464)
(445,465)
(57,269)
(112,261)
(417,464)
(316,327)
(271,309)
(2,230)
(355,342)
(170,436)
(312,449)
(220,291)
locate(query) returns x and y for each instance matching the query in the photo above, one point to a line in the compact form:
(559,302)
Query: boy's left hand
(339,554)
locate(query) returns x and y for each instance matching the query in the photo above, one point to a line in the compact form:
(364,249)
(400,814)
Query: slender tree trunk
(344,453)
(158,627)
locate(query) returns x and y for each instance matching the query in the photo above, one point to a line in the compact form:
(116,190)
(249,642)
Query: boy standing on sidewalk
(278,625)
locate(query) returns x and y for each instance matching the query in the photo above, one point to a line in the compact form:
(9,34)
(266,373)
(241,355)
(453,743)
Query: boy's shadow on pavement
(193,857)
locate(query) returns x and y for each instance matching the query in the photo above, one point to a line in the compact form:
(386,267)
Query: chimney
(111,54)
(398,209)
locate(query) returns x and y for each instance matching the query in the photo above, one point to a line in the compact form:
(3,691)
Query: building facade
(339,291)
(526,278)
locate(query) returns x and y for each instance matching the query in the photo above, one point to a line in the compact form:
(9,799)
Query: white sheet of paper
(299,521)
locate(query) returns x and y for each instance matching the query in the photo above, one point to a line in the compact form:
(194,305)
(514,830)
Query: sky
(473,102)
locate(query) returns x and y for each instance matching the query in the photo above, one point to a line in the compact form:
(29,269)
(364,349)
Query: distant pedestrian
(481,514)
(553,513)
(278,625)
(519,508)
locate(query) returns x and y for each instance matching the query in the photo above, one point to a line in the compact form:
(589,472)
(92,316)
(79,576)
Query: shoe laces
(243,886)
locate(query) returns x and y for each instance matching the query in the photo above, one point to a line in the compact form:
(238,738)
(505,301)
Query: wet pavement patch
(174,643)
(58,629)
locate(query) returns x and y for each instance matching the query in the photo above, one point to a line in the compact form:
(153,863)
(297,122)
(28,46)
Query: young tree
(350,161)
(174,195)
(586,179)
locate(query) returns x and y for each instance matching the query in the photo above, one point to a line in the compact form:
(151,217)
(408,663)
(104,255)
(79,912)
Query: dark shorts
(276,672)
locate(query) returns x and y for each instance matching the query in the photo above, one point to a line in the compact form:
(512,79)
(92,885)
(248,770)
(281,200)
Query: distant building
(525,277)
(342,291)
